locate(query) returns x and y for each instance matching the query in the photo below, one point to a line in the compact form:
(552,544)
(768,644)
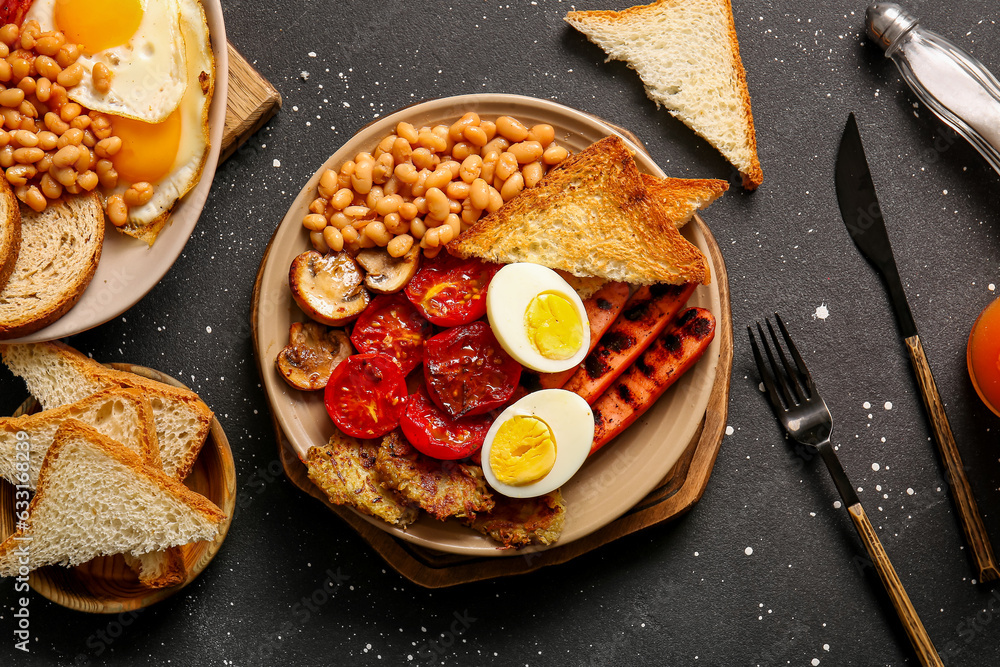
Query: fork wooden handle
(968,511)
(921,642)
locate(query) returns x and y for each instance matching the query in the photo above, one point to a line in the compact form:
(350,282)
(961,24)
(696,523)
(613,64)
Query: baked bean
(70,76)
(554,154)
(49,44)
(463,150)
(361,179)
(341,199)
(47,141)
(374,196)
(316,238)
(9,34)
(5,71)
(401,150)
(431,239)
(47,67)
(400,245)
(317,205)
(490,128)
(71,137)
(458,127)
(506,165)
(453,222)
(408,211)
(356,212)
(496,200)
(391,185)
(511,129)
(377,232)
(419,188)
(65,175)
(11,118)
(471,215)
(45,163)
(386,144)
(365,242)
(68,54)
(489,166)
(27,84)
(471,167)
(532,173)
(35,199)
(50,187)
(543,133)
(475,136)
(106,173)
(406,173)
(19,174)
(498,145)
(457,190)
(56,124)
(512,186)
(27,110)
(12,97)
(333,238)
(69,111)
(82,123)
(28,124)
(388,205)
(327,183)
(88,180)
(395,224)
(432,142)
(423,158)
(349,234)
(479,193)
(437,204)
(526,151)
(19,67)
(28,155)
(431,253)
(85,161)
(138,194)
(339,220)
(108,147)
(57,96)
(43,89)
(102,78)
(25,138)
(5,137)
(454,166)
(314,222)
(407,131)
(417,228)
(454,206)
(439,178)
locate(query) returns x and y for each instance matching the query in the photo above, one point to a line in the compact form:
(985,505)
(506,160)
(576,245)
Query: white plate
(129,268)
(614,479)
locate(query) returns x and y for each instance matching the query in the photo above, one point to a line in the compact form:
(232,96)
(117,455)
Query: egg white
(507,299)
(148,80)
(194,141)
(572,424)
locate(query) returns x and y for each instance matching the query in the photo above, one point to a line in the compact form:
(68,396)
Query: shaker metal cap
(887,22)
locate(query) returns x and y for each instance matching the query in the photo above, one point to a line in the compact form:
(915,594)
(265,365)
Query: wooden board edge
(252,101)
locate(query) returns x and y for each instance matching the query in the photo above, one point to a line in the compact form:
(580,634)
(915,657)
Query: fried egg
(141,43)
(538,318)
(170,155)
(538,443)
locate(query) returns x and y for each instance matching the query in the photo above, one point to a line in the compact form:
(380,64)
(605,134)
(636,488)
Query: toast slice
(95,497)
(681,197)
(56,374)
(592,217)
(60,249)
(10,232)
(687,55)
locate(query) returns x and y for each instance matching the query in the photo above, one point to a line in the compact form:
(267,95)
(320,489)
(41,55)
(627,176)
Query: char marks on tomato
(449,291)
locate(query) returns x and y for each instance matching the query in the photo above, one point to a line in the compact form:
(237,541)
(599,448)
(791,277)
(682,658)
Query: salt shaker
(949,82)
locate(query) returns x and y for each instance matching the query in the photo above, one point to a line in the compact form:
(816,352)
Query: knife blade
(862,215)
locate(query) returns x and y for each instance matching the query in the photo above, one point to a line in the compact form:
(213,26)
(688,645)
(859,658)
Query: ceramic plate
(129,268)
(613,480)
(106,585)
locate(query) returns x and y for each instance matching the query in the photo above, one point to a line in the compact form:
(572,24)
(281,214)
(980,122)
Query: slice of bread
(60,249)
(95,497)
(56,374)
(686,53)
(124,415)
(10,232)
(681,197)
(592,217)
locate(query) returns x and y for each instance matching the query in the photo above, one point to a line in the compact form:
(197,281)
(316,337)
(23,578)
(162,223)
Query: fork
(805,416)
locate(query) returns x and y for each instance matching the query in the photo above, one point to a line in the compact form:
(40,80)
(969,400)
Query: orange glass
(984,356)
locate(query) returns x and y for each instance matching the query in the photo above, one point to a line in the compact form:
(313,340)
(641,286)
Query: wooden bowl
(106,585)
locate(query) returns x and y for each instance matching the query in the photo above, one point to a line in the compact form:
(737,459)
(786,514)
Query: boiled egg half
(538,318)
(538,443)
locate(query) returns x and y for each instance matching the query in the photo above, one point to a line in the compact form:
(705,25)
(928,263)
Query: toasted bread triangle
(688,57)
(680,198)
(96,497)
(590,216)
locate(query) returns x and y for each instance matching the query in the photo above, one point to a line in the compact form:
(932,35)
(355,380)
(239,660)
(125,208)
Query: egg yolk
(553,326)
(523,451)
(98,24)
(984,356)
(148,149)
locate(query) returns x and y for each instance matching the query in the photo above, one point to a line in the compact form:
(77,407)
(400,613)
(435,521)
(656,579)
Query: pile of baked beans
(48,144)
(426,186)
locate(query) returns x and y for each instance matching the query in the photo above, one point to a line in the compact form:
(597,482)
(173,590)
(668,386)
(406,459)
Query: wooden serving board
(252,101)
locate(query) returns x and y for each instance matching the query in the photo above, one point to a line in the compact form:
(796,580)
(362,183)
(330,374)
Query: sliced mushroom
(388,274)
(313,351)
(328,287)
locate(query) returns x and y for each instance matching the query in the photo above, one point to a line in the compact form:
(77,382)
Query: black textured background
(682,594)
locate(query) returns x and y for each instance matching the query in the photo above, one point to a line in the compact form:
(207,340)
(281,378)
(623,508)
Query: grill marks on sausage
(604,304)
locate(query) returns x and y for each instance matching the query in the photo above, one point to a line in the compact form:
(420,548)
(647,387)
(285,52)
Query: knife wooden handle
(968,511)
(921,642)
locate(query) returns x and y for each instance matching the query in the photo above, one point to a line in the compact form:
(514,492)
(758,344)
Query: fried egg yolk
(98,24)
(523,451)
(553,326)
(148,149)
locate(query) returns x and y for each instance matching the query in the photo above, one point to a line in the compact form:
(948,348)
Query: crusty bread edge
(72,294)
(10,249)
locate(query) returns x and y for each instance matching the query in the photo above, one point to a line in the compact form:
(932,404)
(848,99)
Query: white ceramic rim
(613,480)
(129,268)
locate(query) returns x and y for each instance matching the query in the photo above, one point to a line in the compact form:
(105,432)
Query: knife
(861,213)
